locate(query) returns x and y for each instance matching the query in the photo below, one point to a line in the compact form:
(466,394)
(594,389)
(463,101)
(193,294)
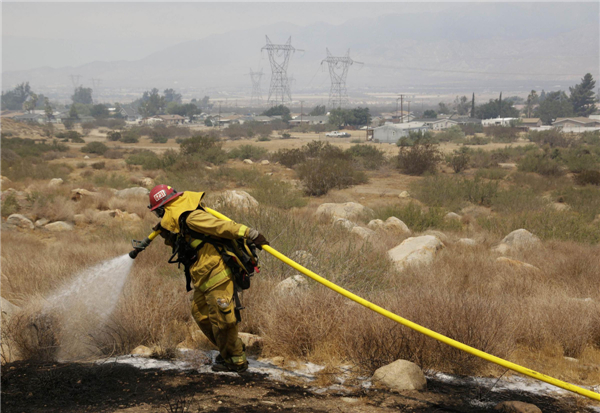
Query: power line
(474,72)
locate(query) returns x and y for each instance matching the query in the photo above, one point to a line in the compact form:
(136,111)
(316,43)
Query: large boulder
(147,182)
(468,242)
(520,238)
(135,191)
(396,225)
(291,284)
(451,216)
(239,199)
(399,376)
(55,182)
(248,161)
(415,251)
(78,193)
(404,194)
(264,162)
(517,407)
(438,234)
(344,223)
(364,233)
(59,226)
(376,224)
(348,210)
(19,221)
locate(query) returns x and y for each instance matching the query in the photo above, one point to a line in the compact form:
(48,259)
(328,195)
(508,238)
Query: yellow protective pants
(214,313)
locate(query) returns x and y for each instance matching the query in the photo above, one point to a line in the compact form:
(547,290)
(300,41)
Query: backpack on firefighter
(239,256)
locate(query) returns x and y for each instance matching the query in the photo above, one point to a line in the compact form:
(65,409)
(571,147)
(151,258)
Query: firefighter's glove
(257,238)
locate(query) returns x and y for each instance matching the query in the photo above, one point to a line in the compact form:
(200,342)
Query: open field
(544,315)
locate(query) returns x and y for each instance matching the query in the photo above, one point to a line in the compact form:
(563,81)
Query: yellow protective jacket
(209,270)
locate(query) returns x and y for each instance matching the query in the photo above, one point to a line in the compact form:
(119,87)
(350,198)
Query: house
(465,120)
(151,121)
(390,133)
(172,119)
(130,114)
(595,116)
(30,117)
(530,123)
(498,121)
(310,120)
(401,116)
(438,124)
(576,124)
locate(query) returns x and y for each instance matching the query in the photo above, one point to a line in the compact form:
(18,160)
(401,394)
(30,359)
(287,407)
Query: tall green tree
(473,105)
(279,110)
(172,96)
(555,105)
(152,103)
(500,106)
(443,108)
(492,109)
(583,97)
(48,109)
(82,95)
(319,110)
(461,105)
(532,100)
(14,99)
(73,113)
(30,103)
(99,112)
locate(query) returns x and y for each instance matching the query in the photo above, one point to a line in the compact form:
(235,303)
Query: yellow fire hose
(421,329)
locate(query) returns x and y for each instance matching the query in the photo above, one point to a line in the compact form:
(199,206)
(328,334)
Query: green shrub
(205,148)
(491,173)
(471,128)
(583,200)
(540,163)
(130,136)
(417,218)
(590,138)
(553,138)
(264,139)
(159,139)
(319,175)
(314,149)
(453,192)
(248,152)
(10,205)
(285,135)
(146,158)
(113,136)
(418,136)
(95,147)
(420,158)
(369,156)
(29,148)
(71,135)
(580,159)
(113,180)
(452,134)
(505,134)
(99,165)
(477,140)
(276,193)
(33,168)
(588,178)
(459,159)
(113,154)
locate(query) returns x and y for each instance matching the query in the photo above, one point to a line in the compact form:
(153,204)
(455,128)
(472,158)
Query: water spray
(139,246)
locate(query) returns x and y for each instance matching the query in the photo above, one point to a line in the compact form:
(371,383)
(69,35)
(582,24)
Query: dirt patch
(113,387)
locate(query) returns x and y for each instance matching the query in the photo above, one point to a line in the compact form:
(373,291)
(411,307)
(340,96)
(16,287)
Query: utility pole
(402,108)
(256,97)
(408,101)
(219,115)
(301,111)
(338,71)
(279,91)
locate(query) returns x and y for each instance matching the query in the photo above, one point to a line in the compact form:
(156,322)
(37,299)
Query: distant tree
(555,105)
(491,110)
(82,95)
(442,108)
(461,105)
(319,110)
(30,103)
(279,110)
(99,111)
(542,96)
(189,109)
(172,96)
(500,106)
(355,117)
(151,103)
(473,106)
(68,123)
(208,122)
(48,109)
(430,114)
(583,97)
(360,117)
(14,99)
(73,113)
(532,100)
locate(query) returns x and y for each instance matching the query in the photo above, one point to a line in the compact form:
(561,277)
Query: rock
(86,157)
(239,199)
(304,258)
(41,222)
(78,193)
(19,221)
(376,225)
(520,238)
(105,215)
(364,233)
(439,235)
(142,351)
(344,223)
(397,225)
(517,264)
(399,376)
(4,182)
(415,251)
(501,248)
(451,216)
(147,182)
(55,182)
(79,218)
(265,162)
(248,161)
(252,342)
(404,194)
(350,400)
(269,174)
(290,284)
(59,226)
(517,407)
(559,206)
(507,165)
(348,210)
(467,242)
(208,168)
(135,191)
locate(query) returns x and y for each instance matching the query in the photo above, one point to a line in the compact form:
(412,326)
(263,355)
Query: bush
(491,173)
(588,178)
(205,148)
(276,193)
(369,156)
(72,136)
(419,158)
(471,128)
(505,134)
(540,163)
(95,147)
(264,139)
(147,159)
(553,138)
(459,160)
(113,136)
(99,165)
(248,152)
(418,219)
(580,159)
(159,139)
(28,148)
(452,134)
(477,140)
(454,193)
(10,205)
(113,154)
(319,175)
(131,136)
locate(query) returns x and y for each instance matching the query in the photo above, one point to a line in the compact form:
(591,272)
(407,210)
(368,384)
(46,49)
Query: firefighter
(213,304)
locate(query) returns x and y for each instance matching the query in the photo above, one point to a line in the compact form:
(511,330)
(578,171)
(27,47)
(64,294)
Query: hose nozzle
(139,246)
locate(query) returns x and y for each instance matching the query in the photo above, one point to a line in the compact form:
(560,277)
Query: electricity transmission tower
(96,88)
(338,71)
(75,80)
(279,57)
(256,97)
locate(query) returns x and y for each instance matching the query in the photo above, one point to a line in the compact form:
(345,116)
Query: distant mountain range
(469,44)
